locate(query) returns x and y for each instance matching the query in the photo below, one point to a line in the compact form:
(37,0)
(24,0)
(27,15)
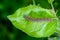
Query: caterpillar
(38,19)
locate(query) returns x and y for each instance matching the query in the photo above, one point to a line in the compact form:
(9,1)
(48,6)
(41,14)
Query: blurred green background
(7,7)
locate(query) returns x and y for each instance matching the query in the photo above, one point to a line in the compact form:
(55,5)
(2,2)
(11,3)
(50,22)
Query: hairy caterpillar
(38,19)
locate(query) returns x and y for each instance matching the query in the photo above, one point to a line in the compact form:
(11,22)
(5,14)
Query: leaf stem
(53,9)
(34,2)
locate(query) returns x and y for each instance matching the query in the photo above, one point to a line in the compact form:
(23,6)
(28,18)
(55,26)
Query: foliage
(9,32)
(34,28)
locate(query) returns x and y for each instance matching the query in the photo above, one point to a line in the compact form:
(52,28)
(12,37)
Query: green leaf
(50,1)
(58,28)
(34,28)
